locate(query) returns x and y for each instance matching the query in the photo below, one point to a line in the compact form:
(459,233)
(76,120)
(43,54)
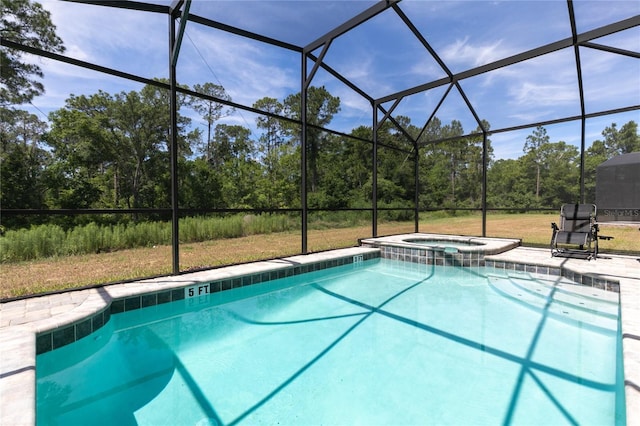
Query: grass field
(26,278)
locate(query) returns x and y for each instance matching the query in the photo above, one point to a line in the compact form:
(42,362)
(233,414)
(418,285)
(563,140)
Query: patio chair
(577,235)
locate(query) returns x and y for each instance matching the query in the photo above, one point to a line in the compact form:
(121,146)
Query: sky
(381,57)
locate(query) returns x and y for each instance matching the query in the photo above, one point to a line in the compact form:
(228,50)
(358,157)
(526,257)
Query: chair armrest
(554,226)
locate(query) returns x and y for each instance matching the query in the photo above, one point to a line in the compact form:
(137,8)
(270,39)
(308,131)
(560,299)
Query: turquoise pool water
(381,342)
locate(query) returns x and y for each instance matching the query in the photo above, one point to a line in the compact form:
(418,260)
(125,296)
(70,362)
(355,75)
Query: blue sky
(381,57)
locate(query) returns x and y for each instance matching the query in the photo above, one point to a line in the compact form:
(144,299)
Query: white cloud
(364,72)
(463,52)
(539,89)
(593,14)
(357,67)
(246,69)
(354,104)
(508,145)
(610,79)
(427,68)
(106,35)
(540,94)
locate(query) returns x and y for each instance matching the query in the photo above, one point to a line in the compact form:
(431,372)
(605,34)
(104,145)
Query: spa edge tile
(44,343)
(149,300)
(63,336)
(236,282)
(97,321)
(226,285)
(83,328)
(164,297)
(117,306)
(177,294)
(132,303)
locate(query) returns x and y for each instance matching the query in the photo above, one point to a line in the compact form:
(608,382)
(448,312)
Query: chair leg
(552,244)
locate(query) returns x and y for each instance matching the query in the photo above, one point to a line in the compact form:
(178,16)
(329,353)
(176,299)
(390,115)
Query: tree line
(111,151)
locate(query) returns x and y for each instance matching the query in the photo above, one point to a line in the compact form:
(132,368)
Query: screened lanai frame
(179,18)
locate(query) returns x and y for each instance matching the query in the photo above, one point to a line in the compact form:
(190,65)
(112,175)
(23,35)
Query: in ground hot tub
(439,249)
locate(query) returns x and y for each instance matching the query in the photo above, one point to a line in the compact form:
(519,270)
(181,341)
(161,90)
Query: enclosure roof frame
(179,9)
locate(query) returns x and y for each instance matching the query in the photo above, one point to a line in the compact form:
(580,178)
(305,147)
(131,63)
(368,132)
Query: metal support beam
(342,79)
(374,174)
(303,152)
(485,164)
(583,130)
(610,49)
(184,17)
(422,40)
(374,10)
(387,114)
(567,119)
(435,111)
(143,80)
(316,65)
(125,4)
(82,64)
(468,103)
(175,6)
(606,30)
(416,195)
(175,235)
(576,52)
(543,123)
(243,33)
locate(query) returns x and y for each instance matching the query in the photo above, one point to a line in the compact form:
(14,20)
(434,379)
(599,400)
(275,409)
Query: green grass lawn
(26,278)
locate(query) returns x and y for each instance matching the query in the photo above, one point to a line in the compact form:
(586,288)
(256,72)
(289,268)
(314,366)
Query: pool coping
(22,321)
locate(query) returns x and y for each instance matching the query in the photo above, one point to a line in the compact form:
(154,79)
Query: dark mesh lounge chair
(577,235)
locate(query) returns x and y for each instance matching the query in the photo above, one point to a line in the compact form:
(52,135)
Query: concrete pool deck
(22,320)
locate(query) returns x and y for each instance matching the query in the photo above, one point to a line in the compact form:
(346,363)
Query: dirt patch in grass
(46,275)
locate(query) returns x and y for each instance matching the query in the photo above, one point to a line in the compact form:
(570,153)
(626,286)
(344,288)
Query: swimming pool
(380,341)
